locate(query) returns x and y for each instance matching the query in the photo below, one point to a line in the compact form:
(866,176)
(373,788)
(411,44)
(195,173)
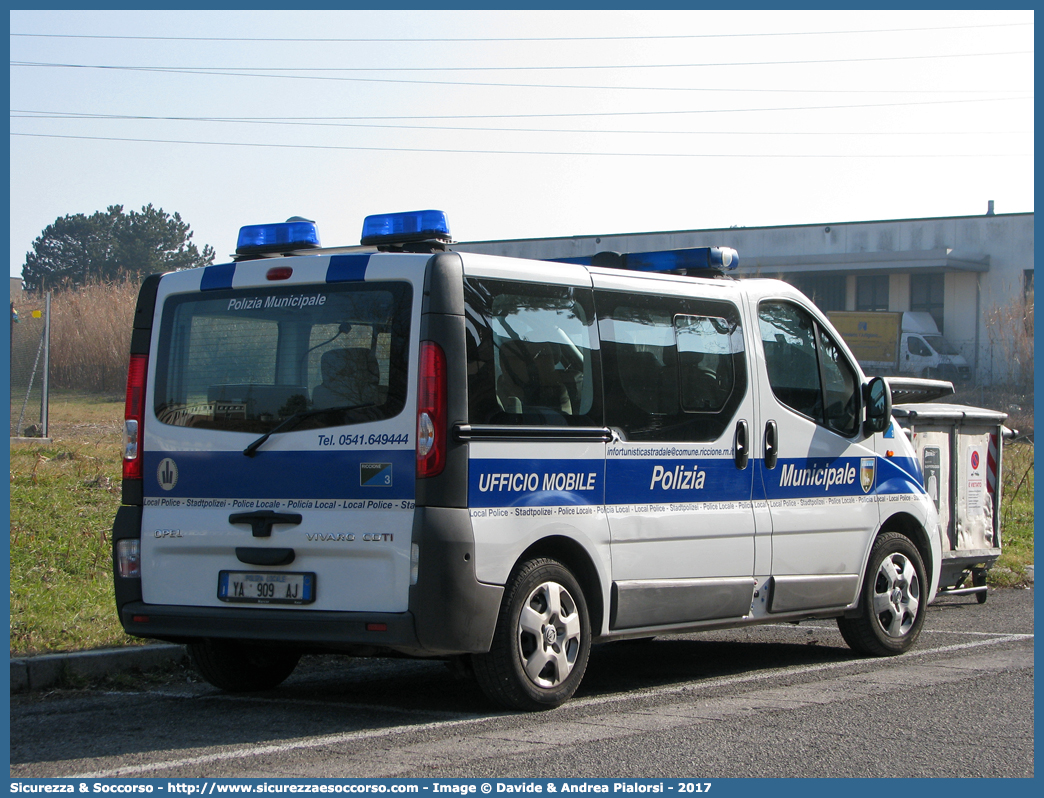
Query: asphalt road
(771,701)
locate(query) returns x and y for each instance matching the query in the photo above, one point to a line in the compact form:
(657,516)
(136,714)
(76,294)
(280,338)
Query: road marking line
(654,692)
(832,628)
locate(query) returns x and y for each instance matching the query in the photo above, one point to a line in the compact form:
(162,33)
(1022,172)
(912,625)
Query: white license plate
(252,587)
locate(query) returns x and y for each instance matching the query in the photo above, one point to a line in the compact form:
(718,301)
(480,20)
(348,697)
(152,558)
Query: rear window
(246,360)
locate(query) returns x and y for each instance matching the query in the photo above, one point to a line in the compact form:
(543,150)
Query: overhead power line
(337,122)
(479,40)
(528,152)
(289,73)
(919,103)
(524,68)
(570,114)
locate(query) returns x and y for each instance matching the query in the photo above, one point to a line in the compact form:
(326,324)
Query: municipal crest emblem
(867,466)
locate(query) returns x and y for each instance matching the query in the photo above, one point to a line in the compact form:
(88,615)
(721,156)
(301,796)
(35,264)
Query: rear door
(319,514)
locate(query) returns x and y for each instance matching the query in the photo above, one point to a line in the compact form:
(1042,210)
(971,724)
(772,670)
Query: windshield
(246,360)
(941,345)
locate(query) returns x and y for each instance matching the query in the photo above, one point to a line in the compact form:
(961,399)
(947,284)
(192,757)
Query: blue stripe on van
(217,277)
(659,480)
(534,483)
(347,268)
(638,480)
(652,480)
(342,474)
(899,475)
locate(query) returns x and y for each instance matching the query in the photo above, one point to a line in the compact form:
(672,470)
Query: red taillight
(279,273)
(431,411)
(134,416)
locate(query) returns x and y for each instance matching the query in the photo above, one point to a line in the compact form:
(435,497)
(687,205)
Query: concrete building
(964,270)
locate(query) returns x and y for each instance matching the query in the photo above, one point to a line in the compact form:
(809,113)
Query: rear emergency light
(267,239)
(134,416)
(668,260)
(431,411)
(405,228)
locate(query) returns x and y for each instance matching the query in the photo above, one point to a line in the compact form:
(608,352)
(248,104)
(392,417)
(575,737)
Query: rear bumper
(296,627)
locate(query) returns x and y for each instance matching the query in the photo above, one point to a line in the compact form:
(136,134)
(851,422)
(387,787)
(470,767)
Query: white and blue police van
(400,449)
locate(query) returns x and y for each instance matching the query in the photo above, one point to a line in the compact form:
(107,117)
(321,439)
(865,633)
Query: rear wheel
(893,601)
(542,640)
(241,667)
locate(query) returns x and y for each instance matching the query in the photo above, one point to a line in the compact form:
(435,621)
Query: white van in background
(905,344)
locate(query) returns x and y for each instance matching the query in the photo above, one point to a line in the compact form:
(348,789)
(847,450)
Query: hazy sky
(518,124)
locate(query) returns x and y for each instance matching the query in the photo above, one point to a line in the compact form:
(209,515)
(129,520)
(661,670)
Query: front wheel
(893,601)
(241,667)
(542,640)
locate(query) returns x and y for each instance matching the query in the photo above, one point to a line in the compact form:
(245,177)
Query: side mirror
(878,400)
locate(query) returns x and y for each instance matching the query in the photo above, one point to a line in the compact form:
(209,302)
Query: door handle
(262,521)
(771,444)
(742,444)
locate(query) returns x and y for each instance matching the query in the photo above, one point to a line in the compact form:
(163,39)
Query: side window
(840,388)
(706,371)
(531,354)
(675,369)
(918,347)
(806,368)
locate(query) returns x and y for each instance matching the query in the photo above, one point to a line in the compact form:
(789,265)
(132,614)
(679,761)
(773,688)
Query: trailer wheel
(541,642)
(892,604)
(979,580)
(241,667)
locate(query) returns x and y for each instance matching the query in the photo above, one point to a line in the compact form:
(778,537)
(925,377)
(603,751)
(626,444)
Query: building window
(926,295)
(872,292)
(826,290)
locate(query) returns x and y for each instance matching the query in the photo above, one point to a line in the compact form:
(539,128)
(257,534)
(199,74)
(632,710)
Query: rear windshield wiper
(290,422)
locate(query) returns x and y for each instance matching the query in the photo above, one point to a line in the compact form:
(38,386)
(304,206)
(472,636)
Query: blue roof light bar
(405,228)
(669,260)
(266,239)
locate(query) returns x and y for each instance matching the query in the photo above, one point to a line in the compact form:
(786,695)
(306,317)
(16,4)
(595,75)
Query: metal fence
(30,355)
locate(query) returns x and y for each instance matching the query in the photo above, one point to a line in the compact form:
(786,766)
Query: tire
(979,580)
(239,667)
(893,601)
(542,640)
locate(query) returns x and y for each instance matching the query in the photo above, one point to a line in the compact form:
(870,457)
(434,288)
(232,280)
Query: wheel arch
(577,559)
(908,526)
